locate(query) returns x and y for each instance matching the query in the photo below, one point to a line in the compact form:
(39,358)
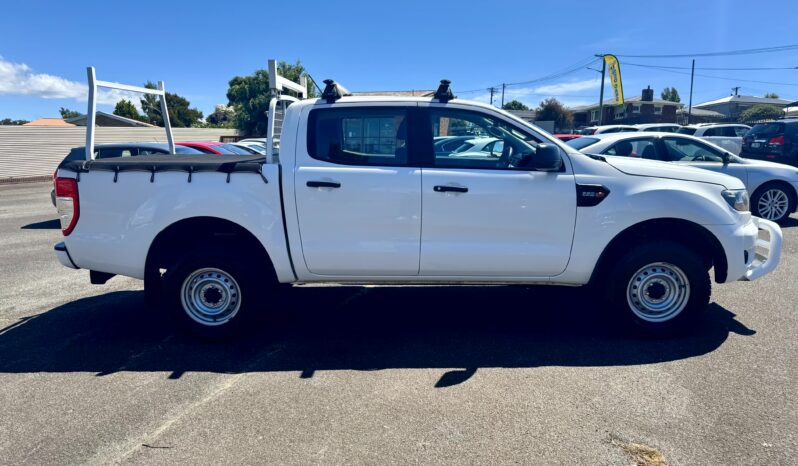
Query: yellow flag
(614,69)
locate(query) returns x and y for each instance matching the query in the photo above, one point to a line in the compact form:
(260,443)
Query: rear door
(485,214)
(358,192)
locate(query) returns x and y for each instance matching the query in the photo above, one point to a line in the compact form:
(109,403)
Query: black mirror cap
(547,158)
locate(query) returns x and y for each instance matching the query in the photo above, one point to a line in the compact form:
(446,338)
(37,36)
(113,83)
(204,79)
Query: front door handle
(450,189)
(323,184)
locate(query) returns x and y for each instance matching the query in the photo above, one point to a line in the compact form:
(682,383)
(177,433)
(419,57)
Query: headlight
(737,199)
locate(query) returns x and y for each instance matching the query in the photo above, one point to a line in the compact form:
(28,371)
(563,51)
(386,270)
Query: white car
(658,127)
(253,146)
(773,186)
(728,136)
(607,129)
(358,177)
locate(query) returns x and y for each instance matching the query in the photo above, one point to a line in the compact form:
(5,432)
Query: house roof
(635,99)
(701,112)
(81,120)
(412,93)
(49,122)
(744,99)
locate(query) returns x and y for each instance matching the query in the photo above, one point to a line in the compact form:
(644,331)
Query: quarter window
(367,136)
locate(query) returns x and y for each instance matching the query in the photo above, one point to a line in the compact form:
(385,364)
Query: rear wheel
(660,286)
(215,295)
(773,201)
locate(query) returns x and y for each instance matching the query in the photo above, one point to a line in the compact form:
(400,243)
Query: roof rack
(94,83)
(444,92)
(277,105)
(333,91)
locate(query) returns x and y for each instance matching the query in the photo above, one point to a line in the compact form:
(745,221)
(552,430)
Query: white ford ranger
(360,195)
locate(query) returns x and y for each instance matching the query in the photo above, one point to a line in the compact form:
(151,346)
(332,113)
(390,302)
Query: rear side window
(641,148)
(117,152)
(690,131)
(365,136)
(713,132)
(151,151)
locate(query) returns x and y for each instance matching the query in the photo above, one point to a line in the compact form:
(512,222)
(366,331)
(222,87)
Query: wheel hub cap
(658,292)
(211,296)
(773,204)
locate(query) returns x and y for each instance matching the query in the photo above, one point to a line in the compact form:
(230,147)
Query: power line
(780,48)
(715,69)
(556,75)
(712,76)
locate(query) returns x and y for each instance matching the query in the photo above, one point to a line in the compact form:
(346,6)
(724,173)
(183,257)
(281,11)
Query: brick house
(639,109)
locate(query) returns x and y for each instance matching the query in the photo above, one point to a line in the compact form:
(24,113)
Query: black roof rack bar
(333,91)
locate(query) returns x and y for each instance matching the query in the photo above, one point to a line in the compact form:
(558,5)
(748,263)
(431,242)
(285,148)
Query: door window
(491,143)
(368,136)
(690,151)
(643,148)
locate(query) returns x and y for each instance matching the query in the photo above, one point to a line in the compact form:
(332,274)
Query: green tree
(761,112)
(670,94)
(125,108)
(552,110)
(771,95)
(222,115)
(66,113)
(514,105)
(180,113)
(10,122)
(250,95)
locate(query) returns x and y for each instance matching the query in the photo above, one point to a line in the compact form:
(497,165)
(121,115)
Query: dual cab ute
(361,195)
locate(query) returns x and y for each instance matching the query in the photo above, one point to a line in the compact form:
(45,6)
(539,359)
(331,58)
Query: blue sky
(197,46)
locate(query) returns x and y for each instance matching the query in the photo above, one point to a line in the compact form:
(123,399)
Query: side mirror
(547,158)
(726,157)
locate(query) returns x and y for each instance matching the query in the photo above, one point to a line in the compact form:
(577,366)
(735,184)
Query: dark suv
(776,141)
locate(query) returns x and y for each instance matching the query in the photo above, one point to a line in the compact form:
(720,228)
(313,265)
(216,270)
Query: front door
(358,195)
(484,213)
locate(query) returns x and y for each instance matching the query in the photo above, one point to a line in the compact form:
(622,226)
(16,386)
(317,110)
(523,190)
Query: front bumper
(766,253)
(63,256)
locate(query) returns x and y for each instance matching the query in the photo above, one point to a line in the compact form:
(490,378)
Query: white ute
(359,195)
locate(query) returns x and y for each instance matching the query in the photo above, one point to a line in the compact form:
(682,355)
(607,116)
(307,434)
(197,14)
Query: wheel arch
(696,237)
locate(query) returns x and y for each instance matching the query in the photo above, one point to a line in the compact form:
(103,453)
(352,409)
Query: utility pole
(601,94)
(503,86)
(690,107)
(492,90)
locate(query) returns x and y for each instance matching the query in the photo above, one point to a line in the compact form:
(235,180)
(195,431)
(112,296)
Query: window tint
(690,151)
(686,130)
(581,143)
(150,151)
(764,129)
(494,143)
(368,136)
(713,132)
(740,131)
(643,148)
(116,152)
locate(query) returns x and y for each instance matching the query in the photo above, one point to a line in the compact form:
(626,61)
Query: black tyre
(215,295)
(773,201)
(659,287)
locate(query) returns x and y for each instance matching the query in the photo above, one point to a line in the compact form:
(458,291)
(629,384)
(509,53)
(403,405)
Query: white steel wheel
(658,292)
(210,296)
(773,204)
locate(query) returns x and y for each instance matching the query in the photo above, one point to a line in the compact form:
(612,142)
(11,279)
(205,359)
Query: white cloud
(568,87)
(19,79)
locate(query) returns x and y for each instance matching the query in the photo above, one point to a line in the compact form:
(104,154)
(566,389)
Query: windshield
(767,128)
(581,143)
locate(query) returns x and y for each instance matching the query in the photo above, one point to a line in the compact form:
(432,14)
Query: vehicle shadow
(54,224)
(459,329)
(789,222)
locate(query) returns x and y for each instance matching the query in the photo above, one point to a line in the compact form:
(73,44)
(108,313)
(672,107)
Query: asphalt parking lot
(394,375)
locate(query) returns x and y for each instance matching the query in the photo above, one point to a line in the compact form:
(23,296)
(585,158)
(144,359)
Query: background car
(252,148)
(658,127)
(607,129)
(215,147)
(773,186)
(776,141)
(128,149)
(447,144)
(567,137)
(728,136)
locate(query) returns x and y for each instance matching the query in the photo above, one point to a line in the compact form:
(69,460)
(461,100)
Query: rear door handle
(323,184)
(451,189)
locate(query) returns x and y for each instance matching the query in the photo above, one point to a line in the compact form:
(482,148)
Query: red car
(567,137)
(214,147)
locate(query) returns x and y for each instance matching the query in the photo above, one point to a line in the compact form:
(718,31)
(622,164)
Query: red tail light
(67,202)
(777,141)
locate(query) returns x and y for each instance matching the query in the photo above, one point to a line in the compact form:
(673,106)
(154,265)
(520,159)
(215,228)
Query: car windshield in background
(685,130)
(767,128)
(581,143)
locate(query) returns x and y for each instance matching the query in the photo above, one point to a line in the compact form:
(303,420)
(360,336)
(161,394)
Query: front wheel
(660,286)
(773,202)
